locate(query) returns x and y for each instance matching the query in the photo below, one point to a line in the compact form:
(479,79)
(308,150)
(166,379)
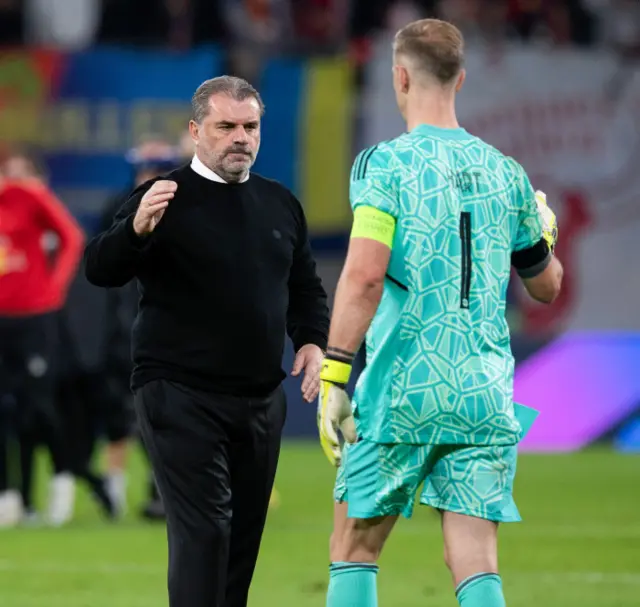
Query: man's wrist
(306,336)
(138,240)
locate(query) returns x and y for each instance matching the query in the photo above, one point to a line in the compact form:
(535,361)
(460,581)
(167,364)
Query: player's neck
(434,110)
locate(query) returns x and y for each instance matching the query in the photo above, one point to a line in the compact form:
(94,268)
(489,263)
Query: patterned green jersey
(439,365)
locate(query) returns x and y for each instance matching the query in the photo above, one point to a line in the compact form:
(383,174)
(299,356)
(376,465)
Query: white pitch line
(578,577)
(549,577)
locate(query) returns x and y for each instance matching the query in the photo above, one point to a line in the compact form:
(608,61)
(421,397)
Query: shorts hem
(365,514)
(438,505)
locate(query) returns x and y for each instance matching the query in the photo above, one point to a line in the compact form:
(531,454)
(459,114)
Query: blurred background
(95,96)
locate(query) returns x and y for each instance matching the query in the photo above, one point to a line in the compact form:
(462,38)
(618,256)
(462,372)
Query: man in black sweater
(225,270)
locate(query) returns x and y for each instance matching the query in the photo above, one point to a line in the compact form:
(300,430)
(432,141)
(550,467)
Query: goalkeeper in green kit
(440,218)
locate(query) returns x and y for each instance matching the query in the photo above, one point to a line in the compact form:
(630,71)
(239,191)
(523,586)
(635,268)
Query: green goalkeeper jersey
(439,367)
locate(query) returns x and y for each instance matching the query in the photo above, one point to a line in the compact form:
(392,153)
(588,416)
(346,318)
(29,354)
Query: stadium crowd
(285,25)
(253,30)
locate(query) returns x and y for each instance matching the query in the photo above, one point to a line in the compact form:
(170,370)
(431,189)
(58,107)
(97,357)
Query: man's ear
(194,130)
(404,80)
(461,78)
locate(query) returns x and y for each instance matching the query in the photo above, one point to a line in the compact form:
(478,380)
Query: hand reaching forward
(152,206)
(309,358)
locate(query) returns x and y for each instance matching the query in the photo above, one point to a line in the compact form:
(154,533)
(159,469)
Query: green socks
(352,585)
(481,590)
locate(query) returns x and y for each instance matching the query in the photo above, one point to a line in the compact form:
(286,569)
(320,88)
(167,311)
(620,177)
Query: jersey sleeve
(529,228)
(373,182)
(530,254)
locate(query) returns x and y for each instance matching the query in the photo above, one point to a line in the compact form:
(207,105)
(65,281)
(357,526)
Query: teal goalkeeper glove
(334,409)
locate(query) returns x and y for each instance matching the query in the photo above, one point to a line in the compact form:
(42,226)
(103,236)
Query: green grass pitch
(579,544)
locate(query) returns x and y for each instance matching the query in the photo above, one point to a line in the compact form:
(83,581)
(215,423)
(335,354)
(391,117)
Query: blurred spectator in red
(33,288)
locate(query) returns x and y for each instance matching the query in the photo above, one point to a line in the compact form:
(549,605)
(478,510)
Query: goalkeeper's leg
(471,553)
(356,545)
(367,507)
(473,489)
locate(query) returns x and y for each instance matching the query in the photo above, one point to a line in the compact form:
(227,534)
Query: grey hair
(236,88)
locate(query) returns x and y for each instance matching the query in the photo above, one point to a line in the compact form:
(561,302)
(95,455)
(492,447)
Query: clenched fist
(152,206)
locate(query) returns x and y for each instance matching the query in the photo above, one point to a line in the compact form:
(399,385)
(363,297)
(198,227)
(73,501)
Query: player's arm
(536,236)
(55,217)
(361,283)
(358,293)
(359,290)
(540,272)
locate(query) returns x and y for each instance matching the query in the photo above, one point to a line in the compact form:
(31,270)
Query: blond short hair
(433,46)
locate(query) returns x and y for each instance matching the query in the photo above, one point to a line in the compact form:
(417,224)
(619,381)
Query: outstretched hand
(309,360)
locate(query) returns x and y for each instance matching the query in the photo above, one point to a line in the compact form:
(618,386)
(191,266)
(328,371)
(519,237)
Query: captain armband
(369,222)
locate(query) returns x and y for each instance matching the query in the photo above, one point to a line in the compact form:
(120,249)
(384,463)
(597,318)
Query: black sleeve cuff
(531,262)
(310,336)
(139,243)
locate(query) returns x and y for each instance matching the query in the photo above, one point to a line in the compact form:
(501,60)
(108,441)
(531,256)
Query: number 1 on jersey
(465,274)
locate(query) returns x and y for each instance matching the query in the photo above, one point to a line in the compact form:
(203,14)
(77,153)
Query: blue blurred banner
(108,98)
(85,110)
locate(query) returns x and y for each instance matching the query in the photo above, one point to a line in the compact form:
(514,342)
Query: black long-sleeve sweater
(225,275)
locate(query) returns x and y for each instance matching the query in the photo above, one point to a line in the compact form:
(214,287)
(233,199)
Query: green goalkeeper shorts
(381,480)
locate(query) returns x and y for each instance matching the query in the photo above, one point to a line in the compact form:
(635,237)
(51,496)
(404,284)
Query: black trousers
(215,460)
(27,395)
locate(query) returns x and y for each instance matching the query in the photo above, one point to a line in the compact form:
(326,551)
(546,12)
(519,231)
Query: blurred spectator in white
(65,24)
